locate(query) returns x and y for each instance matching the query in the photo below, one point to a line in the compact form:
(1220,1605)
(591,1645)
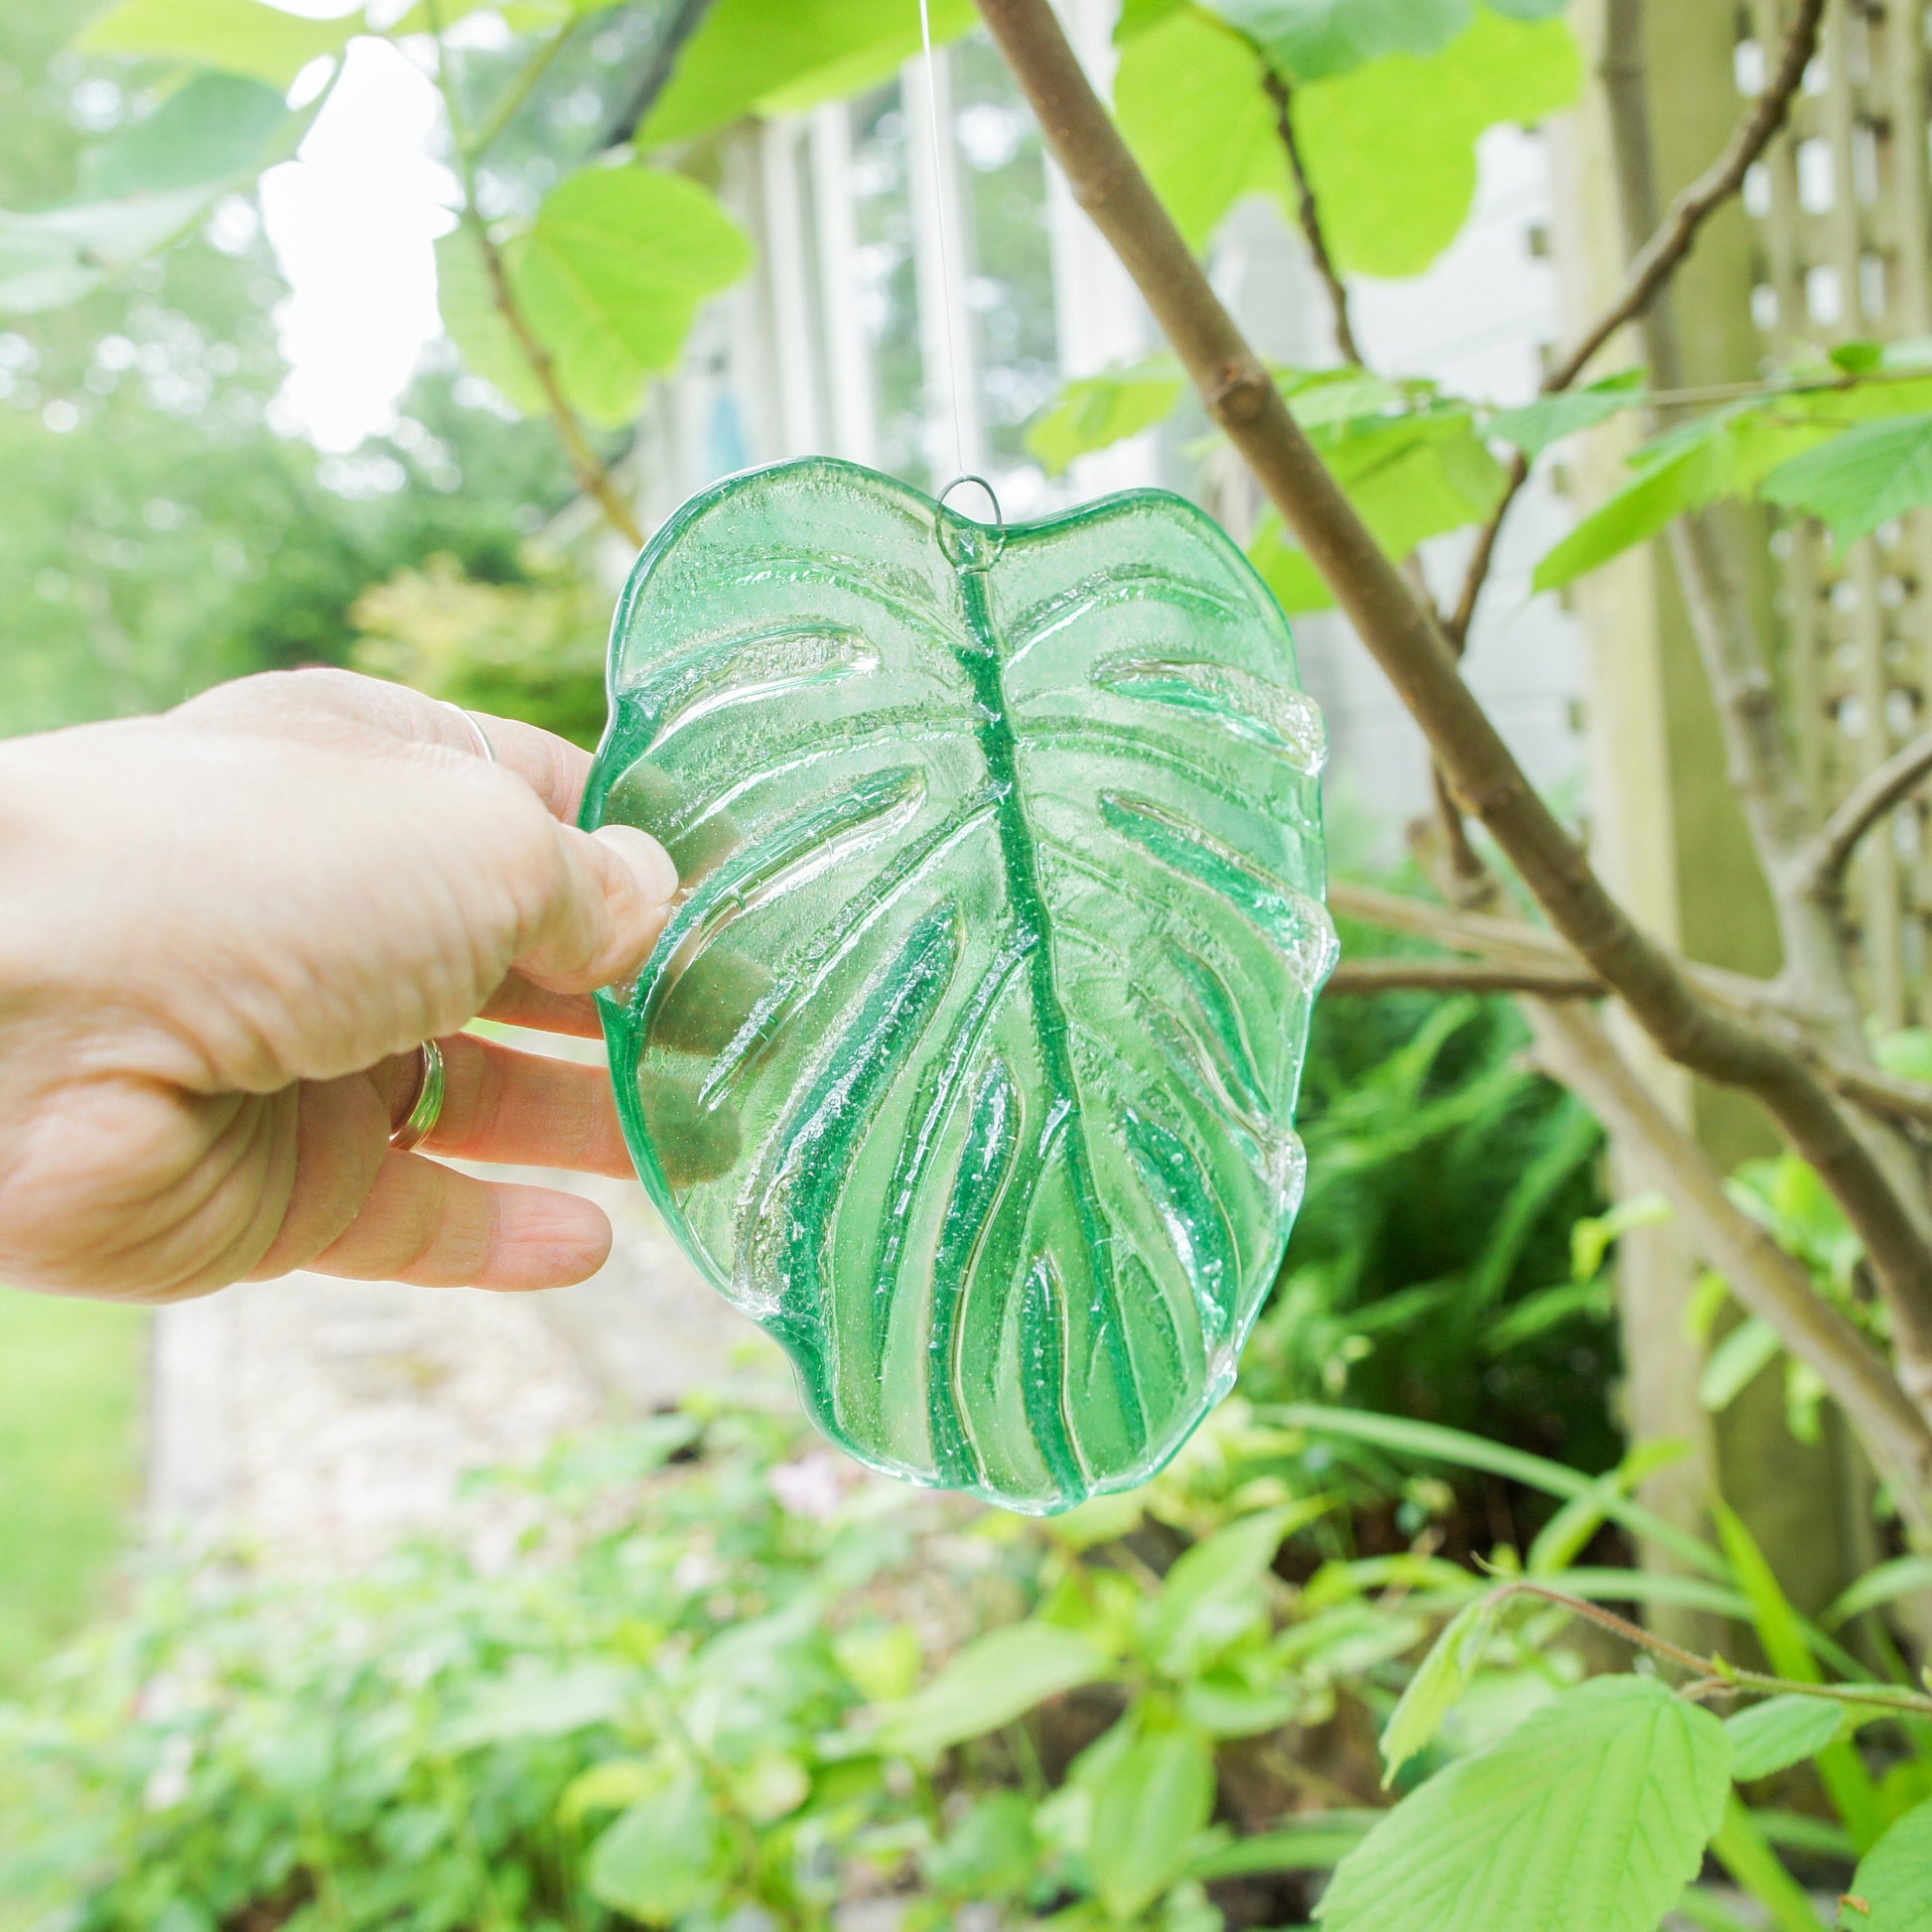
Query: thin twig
(1280,93)
(1516,943)
(1867,802)
(1404,975)
(1658,259)
(1652,267)
(593,474)
(1717,1673)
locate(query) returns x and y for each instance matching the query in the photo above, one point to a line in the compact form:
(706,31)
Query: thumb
(613,889)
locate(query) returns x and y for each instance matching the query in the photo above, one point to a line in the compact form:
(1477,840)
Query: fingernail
(649,864)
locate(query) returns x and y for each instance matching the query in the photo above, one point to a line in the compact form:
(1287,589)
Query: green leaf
(997,1678)
(1868,477)
(1188,99)
(665,1856)
(50,259)
(609,279)
(1736,1361)
(1894,1879)
(1410,477)
(1591,1816)
(784,55)
(1789,1648)
(1316,1843)
(883,1661)
(992,1851)
(1441,1678)
(542,1704)
(1459,1448)
(1390,148)
(1901,1576)
(1148,1810)
(1548,419)
(245,37)
(218,128)
(1741,1848)
(1212,1595)
(1313,38)
(1094,412)
(1780,1731)
(975,849)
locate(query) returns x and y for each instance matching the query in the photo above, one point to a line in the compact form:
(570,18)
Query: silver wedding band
(426,1109)
(485,748)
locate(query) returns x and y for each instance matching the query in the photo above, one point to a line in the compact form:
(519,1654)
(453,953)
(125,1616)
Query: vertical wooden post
(1669,832)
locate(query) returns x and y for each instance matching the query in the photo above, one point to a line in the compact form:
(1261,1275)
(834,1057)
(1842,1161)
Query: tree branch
(1407,639)
(1659,258)
(1653,265)
(1765,1279)
(1863,805)
(685,21)
(1310,215)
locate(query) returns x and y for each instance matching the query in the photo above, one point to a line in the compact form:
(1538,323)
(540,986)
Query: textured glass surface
(967,1063)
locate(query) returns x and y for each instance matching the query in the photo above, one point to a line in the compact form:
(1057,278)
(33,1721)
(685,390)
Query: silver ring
(485,748)
(425,1108)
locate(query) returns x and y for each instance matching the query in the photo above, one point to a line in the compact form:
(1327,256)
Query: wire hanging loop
(971,543)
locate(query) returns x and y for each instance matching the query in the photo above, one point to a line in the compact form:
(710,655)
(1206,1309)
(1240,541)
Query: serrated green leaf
(664,1857)
(1591,1816)
(997,1678)
(246,36)
(1869,475)
(1440,1679)
(1537,425)
(612,275)
(1390,148)
(1779,1732)
(50,259)
(1736,1361)
(1311,40)
(783,56)
(1094,412)
(1148,1808)
(1893,1880)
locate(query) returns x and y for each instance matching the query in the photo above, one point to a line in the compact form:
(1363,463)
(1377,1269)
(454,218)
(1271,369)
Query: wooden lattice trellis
(1840,207)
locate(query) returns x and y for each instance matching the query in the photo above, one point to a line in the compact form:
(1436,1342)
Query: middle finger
(526,1110)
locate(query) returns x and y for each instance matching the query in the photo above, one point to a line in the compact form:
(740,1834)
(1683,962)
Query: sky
(354,219)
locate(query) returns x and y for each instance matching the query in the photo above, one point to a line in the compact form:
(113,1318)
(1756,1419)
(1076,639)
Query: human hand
(223,935)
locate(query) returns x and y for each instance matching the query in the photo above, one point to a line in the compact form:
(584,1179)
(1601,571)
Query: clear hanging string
(954,382)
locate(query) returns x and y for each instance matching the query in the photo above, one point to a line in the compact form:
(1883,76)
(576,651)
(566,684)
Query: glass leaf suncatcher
(967,1062)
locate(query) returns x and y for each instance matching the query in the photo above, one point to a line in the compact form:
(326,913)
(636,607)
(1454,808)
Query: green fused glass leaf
(967,1062)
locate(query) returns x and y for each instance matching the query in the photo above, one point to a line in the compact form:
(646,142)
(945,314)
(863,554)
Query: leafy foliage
(1592,1815)
(1892,1889)
(1388,142)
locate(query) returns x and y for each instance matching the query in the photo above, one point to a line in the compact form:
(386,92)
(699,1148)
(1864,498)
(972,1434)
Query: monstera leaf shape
(966,1064)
